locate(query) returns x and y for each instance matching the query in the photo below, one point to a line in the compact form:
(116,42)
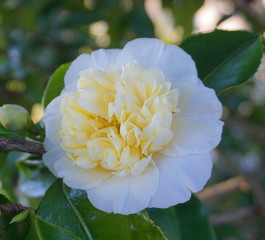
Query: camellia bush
(125,141)
(128,134)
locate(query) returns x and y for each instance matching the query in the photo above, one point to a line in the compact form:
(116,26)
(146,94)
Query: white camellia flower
(133,127)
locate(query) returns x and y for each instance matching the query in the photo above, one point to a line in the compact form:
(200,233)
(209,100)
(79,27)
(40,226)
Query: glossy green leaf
(225,59)
(55,84)
(3,159)
(70,210)
(184,221)
(7,133)
(42,230)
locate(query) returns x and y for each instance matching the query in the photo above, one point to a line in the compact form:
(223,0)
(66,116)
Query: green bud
(14,117)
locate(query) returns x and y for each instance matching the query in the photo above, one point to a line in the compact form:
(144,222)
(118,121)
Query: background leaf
(62,206)
(184,221)
(7,133)
(3,159)
(183,12)
(55,85)
(225,59)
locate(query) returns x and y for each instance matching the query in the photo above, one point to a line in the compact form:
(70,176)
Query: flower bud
(14,117)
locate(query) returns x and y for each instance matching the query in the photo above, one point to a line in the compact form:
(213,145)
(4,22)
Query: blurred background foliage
(36,37)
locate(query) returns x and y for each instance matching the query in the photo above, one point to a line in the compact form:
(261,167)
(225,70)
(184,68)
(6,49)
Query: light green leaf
(70,210)
(55,84)
(184,221)
(225,59)
(20,217)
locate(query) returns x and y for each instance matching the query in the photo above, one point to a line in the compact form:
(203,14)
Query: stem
(21,145)
(13,209)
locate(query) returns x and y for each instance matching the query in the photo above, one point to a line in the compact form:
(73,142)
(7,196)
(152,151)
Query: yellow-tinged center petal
(118,119)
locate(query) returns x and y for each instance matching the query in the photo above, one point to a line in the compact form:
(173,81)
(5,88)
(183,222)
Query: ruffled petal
(125,195)
(102,59)
(178,176)
(53,119)
(79,178)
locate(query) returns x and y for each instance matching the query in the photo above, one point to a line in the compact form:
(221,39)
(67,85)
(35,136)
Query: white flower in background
(133,127)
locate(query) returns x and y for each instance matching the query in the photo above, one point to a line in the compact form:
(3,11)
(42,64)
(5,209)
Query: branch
(251,11)
(222,188)
(21,145)
(238,214)
(257,131)
(13,209)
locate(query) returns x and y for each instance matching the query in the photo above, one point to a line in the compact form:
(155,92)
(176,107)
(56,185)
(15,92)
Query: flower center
(118,119)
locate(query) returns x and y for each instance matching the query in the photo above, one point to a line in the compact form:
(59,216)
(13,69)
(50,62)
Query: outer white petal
(79,178)
(198,100)
(193,135)
(145,51)
(125,195)
(100,59)
(197,128)
(52,120)
(175,63)
(178,176)
(53,153)
(71,77)
(105,58)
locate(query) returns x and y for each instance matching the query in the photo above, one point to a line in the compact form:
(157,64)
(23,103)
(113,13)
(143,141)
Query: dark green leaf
(55,85)
(229,231)
(70,209)
(7,133)
(4,199)
(184,221)
(3,159)
(225,59)
(42,230)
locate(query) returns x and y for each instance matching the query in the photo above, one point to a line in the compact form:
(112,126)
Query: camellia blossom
(133,127)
